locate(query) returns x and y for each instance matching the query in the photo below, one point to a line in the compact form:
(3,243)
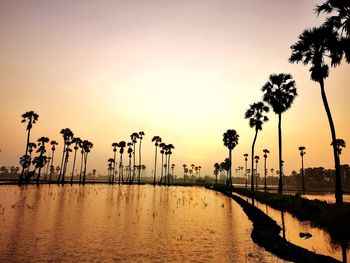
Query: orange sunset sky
(185,70)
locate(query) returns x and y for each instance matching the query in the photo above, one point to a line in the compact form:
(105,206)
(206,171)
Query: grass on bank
(331,217)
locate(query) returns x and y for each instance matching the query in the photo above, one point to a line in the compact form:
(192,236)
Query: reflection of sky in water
(119,223)
(320,242)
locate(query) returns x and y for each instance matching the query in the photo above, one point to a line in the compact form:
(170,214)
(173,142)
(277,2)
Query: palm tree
(169,152)
(161,146)
(66,158)
(121,145)
(67,135)
(339,22)
(230,141)
(134,136)
(156,140)
(302,153)
(257,158)
(114,145)
(81,162)
(226,165)
(31,117)
(266,151)
(256,117)
(340,144)
(77,142)
(185,173)
(141,134)
(86,146)
(53,148)
(312,47)
(172,170)
(199,170)
(246,164)
(280,92)
(40,161)
(130,151)
(110,169)
(217,169)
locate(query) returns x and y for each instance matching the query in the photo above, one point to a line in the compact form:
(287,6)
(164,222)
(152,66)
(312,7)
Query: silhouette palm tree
(185,173)
(302,153)
(226,165)
(110,169)
(141,134)
(86,146)
(280,92)
(172,171)
(156,140)
(134,136)
(31,117)
(76,141)
(81,162)
(246,174)
(67,135)
(266,151)
(199,170)
(122,145)
(130,151)
(169,152)
(340,144)
(257,158)
(312,47)
(339,22)
(41,160)
(162,151)
(53,148)
(114,145)
(31,147)
(230,141)
(256,117)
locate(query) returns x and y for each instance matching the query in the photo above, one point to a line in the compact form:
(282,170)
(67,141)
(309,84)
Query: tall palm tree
(67,135)
(66,159)
(169,152)
(312,47)
(81,162)
(31,117)
(141,134)
(257,158)
(339,22)
(256,115)
(121,145)
(53,148)
(226,165)
(230,141)
(130,151)
(266,151)
(86,145)
(302,153)
(76,141)
(156,140)
(246,164)
(185,167)
(279,93)
(134,136)
(162,151)
(114,145)
(42,159)
(110,169)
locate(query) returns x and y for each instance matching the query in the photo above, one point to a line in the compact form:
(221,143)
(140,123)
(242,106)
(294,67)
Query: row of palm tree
(41,160)
(195,168)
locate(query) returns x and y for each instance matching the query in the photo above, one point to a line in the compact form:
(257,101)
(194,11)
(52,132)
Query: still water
(101,223)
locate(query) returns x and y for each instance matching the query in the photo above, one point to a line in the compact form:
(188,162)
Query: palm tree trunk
(169,169)
(253,145)
(256,176)
(338,186)
(134,161)
(230,170)
(63,154)
(81,166)
(121,169)
(246,175)
(265,188)
(161,174)
(75,155)
(113,167)
(155,168)
(140,162)
(280,184)
(302,174)
(85,161)
(53,154)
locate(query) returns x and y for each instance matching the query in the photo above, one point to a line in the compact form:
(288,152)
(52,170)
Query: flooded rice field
(102,223)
